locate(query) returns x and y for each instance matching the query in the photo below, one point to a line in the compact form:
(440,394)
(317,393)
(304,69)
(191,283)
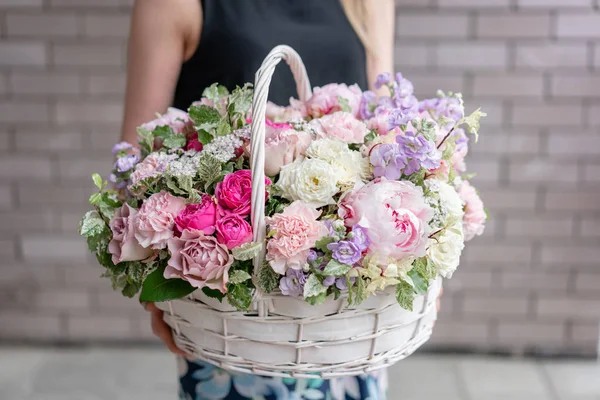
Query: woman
(179,47)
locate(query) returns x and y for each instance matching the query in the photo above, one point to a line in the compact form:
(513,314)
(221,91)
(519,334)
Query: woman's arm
(163,34)
(381,17)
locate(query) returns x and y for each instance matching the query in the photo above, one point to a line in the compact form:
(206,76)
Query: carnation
(151,167)
(475,216)
(155,220)
(311,180)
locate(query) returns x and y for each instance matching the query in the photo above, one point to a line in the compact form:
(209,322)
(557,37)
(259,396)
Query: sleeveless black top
(238,34)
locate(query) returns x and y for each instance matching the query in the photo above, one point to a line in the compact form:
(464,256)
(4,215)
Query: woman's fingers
(162,330)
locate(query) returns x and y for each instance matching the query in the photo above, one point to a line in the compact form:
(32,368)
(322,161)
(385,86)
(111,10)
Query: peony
(326,100)
(395,215)
(155,219)
(151,167)
(177,119)
(202,216)
(327,149)
(234,193)
(446,249)
(341,125)
(233,231)
(295,232)
(277,113)
(283,145)
(123,245)
(199,259)
(475,216)
(312,181)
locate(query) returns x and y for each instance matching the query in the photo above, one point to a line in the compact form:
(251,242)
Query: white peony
(446,250)
(313,181)
(327,149)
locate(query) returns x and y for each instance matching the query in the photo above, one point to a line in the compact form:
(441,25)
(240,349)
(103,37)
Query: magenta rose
(199,259)
(233,231)
(234,193)
(155,219)
(201,216)
(194,144)
(124,246)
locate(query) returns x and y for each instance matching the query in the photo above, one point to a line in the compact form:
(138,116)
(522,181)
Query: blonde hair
(358,15)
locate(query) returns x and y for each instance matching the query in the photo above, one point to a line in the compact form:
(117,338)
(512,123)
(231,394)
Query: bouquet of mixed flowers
(363,193)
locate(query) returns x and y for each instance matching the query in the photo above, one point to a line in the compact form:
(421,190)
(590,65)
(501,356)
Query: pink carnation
(296,231)
(152,166)
(475,217)
(341,125)
(177,119)
(326,100)
(155,220)
(395,215)
(124,246)
(199,259)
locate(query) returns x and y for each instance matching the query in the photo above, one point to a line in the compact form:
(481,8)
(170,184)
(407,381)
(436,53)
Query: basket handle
(257,142)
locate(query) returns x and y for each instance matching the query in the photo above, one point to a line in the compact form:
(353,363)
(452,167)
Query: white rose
(348,169)
(311,180)
(446,250)
(450,200)
(327,149)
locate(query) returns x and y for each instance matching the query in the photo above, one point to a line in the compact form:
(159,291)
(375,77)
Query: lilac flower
(409,104)
(126,162)
(420,151)
(122,146)
(359,237)
(382,79)
(388,161)
(462,140)
(399,117)
(367,104)
(340,283)
(404,88)
(292,284)
(345,252)
(329,281)
(312,256)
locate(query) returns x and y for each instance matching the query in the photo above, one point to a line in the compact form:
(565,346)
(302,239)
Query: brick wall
(531,282)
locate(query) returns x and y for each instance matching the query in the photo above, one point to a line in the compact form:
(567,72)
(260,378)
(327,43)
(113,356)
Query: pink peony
(326,100)
(155,219)
(199,259)
(234,193)
(233,231)
(177,119)
(341,125)
(283,145)
(124,246)
(296,231)
(475,217)
(395,215)
(202,217)
(152,166)
(379,123)
(277,113)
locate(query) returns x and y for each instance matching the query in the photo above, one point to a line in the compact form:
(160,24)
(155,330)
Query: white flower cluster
(349,165)
(223,147)
(186,165)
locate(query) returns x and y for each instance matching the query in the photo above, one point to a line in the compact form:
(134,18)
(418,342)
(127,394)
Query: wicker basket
(284,336)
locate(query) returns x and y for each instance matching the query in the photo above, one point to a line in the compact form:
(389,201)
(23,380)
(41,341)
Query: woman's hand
(162,330)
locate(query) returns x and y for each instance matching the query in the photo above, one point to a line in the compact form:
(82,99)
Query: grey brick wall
(531,282)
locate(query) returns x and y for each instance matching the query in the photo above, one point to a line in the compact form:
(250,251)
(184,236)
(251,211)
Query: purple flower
(340,283)
(292,284)
(312,256)
(405,87)
(399,117)
(359,237)
(328,281)
(367,104)
(123,146)
(345,252)
(126,162)
(462,140)
(409,104)
(382,79)
(419,151)
(388,161)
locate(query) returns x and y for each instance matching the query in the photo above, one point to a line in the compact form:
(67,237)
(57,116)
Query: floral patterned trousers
(203,381)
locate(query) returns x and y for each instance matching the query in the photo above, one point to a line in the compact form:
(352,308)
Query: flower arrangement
(363,193)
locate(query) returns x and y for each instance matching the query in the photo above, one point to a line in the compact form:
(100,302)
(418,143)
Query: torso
(236,35)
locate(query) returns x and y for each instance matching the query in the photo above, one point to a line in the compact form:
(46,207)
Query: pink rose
(124,246)
(234,193)
(199,259)
(233,231)
(296,231)
(395,215)
(284,145)
(202,217)
(475,217)
(326,100)
(194,144)
(152,166)
(155,219)
(341,125)
(177,119)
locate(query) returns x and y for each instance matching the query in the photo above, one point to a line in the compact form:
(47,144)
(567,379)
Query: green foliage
(240,102)
(472,122)
(371,136)
(358,292)
(335,268)
(98,181)
(163,132)
(174,141)
(146,140)
(421,284)
(268,280)
(215,92)
(205,118)
(91,224)
(239,276)
(313,286)
(424,267)
(318,299)
(131,289)
(204,137)
(174,187)
(223,128)
(322,243)
(344,105)
(213,293)
(209,169)
(239,296)
(273,206)
(247,251)
(418,178)
(157,288)
(405,294)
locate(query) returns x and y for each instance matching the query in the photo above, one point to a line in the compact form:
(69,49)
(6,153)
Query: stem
(446,137)
(435,233)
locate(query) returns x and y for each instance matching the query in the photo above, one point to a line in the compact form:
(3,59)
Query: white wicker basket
(285,336)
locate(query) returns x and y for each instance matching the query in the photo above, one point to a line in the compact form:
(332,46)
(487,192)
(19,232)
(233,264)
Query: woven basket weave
(284,336)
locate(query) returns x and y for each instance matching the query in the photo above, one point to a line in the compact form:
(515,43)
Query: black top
(238,34)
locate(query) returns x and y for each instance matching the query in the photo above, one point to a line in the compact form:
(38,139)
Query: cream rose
(311,180)
(446,250)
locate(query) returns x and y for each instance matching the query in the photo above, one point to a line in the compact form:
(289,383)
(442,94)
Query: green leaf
(336,268)
(344,105)
(146,139)
(239,296)
(130,289)
(472,122)
(247,251)
(213,293)
(223,128)
(215,92)
(322,243)
(98,181)
(91,224)
(174,141)
(185,182)
(95,198)
(318,299)
(239,276)
(173,186)
(204,137)
(163,132)
(405,294)
(157,288)
(359,291)
(425,268)
(371,136)
(313,287)
(268,280)
(209,168)
(421,284)
(204,117)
